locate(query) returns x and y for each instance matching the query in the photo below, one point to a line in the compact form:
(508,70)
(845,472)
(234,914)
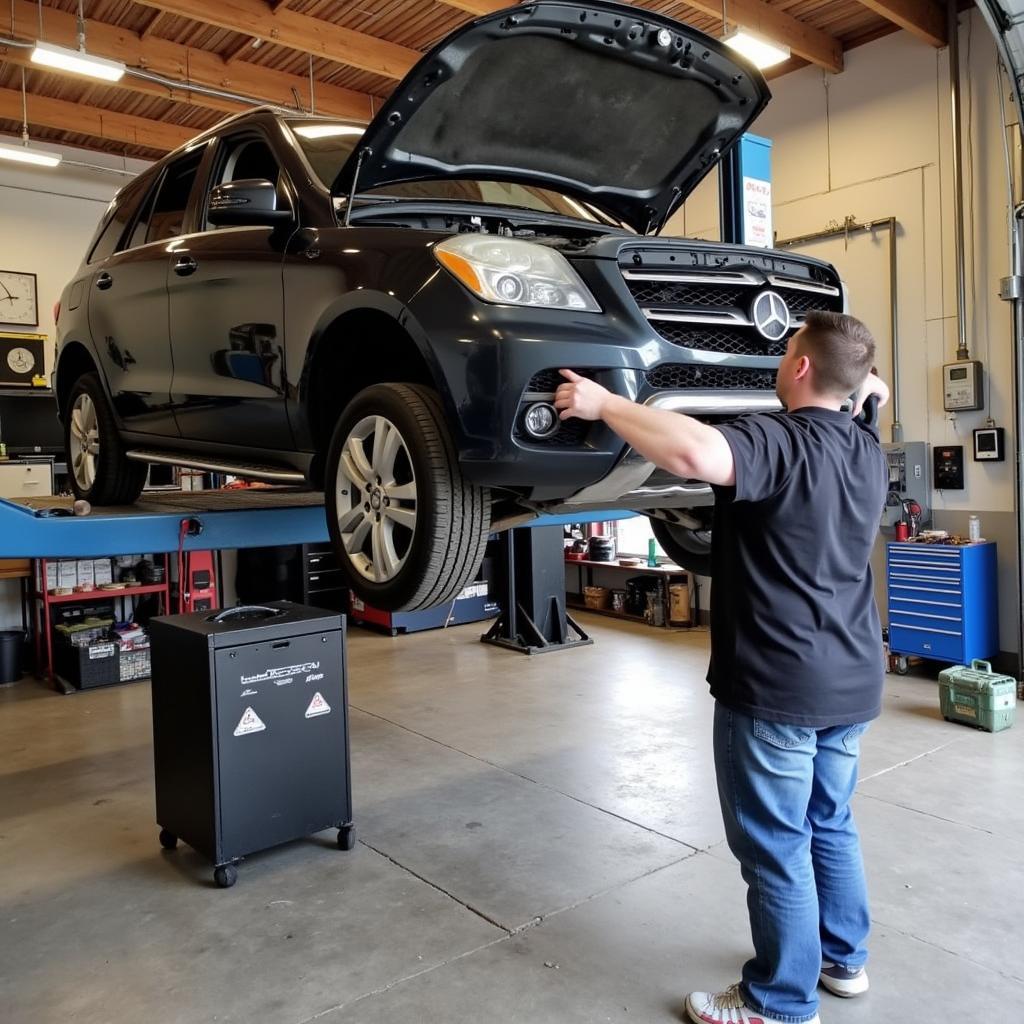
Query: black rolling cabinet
(322,581)
(250,730)
(305,573)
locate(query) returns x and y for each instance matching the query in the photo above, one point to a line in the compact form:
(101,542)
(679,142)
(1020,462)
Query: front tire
(689,549)
(99,470)
(408,529)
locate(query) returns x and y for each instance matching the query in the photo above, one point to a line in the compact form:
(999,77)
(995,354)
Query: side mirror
(249,202)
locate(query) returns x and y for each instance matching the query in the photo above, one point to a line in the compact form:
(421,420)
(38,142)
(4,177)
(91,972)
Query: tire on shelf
(408,529)
(99,470)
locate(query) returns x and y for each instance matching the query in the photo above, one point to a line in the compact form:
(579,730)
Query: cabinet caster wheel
(225,876)
(902,667)
(347,837)
(168,840)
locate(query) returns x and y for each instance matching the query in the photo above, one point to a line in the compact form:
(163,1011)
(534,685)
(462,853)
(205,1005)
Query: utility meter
(961,386)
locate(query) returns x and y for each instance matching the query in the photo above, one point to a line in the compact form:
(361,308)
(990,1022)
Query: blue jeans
(785,792)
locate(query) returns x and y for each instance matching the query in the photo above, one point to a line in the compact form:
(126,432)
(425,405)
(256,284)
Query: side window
(166,216)
(247,158)
(122,209)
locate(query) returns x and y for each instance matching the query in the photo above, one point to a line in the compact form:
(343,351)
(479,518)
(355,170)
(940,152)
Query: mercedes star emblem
(771,316)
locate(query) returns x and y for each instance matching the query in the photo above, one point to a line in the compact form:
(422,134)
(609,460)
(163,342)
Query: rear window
(118,216)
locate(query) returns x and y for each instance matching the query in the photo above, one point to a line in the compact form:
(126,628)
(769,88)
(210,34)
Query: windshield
(327,146)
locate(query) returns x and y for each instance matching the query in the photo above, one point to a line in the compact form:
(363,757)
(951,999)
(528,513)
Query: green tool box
(978,696)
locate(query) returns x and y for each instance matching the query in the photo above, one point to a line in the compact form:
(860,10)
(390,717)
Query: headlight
(513,272)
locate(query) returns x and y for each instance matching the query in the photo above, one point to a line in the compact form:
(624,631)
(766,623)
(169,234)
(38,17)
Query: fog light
(541,420)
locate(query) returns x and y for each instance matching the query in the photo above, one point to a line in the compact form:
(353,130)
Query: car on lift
(381,311)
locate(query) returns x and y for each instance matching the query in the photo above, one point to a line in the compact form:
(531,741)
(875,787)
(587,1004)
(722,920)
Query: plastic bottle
(974,529)
(652,554)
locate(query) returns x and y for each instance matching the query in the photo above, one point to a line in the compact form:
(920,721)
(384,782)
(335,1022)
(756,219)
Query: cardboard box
(103,571)
(86,573)
(67,574)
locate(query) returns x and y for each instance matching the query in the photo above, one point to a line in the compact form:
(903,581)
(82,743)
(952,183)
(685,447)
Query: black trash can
(11,642)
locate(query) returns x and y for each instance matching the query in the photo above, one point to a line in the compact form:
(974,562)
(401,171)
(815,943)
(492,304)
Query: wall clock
(19,299)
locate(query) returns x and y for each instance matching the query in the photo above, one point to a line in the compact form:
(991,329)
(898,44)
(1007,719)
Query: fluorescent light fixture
(78,62)
(759,51)
(327,131)
(24,155)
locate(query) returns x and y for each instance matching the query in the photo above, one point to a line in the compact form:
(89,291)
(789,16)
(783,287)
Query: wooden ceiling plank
(299,32)
(186,63)
(151,24)
(921,18)
(238,51)
(803,39)
(95,122)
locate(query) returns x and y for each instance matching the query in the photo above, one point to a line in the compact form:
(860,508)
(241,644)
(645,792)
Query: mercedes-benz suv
(381,311)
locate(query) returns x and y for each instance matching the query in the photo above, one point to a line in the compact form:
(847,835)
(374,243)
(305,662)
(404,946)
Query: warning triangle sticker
(249,722)
(318,706)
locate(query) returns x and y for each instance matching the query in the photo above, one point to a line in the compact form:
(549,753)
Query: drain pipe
(953,34)
(852,227)
(1014,290)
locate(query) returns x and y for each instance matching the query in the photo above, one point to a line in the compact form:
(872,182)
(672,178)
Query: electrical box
(961,386)
(908,480)
(989,444)
(949,467)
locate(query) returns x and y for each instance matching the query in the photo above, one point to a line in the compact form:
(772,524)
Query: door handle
(185,265)
(104,281)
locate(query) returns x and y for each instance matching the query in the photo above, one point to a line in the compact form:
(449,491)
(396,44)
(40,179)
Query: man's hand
(873,385)
(582,398)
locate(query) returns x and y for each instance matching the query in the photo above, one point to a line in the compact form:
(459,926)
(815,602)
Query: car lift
(531,566)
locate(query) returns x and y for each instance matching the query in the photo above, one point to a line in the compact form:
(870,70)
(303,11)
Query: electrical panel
(962,386)
(949,467)
(908,480)
(989,444)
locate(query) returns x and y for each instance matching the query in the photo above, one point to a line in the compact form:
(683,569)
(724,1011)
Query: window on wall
(632,537)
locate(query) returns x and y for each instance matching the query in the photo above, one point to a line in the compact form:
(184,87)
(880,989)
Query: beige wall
(874,142)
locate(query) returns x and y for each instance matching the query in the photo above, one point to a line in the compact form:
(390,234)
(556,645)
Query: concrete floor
(540,842)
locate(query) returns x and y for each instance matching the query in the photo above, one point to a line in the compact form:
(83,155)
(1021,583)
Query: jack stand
(531,575)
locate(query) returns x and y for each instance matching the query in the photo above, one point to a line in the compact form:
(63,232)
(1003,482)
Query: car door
(128,304)
(227,315)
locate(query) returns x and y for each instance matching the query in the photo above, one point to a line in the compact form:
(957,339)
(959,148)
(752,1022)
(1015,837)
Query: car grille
(676,299)
(677,376)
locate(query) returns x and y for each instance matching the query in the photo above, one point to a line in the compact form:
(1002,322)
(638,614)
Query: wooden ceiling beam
(298,32)
(921,18)
(185,63)
(804,40)
(151,24)
(44,112)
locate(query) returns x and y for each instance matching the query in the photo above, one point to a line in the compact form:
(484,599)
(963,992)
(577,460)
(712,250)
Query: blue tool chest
(943,601)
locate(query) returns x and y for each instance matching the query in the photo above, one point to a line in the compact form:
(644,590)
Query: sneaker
(727,1008)
(842,981)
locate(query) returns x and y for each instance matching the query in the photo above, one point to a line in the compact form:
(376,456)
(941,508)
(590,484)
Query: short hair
(841,350)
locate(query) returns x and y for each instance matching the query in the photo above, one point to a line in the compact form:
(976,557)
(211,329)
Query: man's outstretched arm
(679,444)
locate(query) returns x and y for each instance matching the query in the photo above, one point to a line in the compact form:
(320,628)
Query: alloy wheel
(376,499)
(85,441)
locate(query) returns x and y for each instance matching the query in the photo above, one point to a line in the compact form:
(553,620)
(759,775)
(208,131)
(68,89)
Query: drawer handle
(923,629)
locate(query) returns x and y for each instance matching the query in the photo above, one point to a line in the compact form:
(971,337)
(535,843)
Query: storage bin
(978,696)
(95,664)
(595,597)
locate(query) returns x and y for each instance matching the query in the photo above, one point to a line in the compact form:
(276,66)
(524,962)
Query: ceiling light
(78,62)
(758,50)
(24,155)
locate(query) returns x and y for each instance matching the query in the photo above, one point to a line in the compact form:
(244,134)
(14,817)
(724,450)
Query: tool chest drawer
(942,600)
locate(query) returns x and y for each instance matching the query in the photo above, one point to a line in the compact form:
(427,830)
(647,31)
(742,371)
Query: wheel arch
(74,360)
(339,364)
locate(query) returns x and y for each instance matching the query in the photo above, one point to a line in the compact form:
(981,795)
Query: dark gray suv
(381,311)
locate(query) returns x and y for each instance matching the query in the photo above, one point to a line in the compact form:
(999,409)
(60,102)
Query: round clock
(18,298)
(20,360)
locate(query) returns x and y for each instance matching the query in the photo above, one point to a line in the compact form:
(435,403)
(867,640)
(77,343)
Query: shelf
(661,570)
(612,614)
(104,595)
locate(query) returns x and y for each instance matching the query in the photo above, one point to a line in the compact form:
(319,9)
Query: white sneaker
(727,1008)
(842,981)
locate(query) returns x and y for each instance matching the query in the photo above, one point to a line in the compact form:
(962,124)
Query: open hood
(1006,19)
(609,103)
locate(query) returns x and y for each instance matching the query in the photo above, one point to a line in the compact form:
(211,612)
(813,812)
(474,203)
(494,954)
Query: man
(796,653)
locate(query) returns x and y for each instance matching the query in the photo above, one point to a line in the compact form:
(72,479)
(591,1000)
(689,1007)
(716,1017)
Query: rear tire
(97,465)
(689,549)
(408,529)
